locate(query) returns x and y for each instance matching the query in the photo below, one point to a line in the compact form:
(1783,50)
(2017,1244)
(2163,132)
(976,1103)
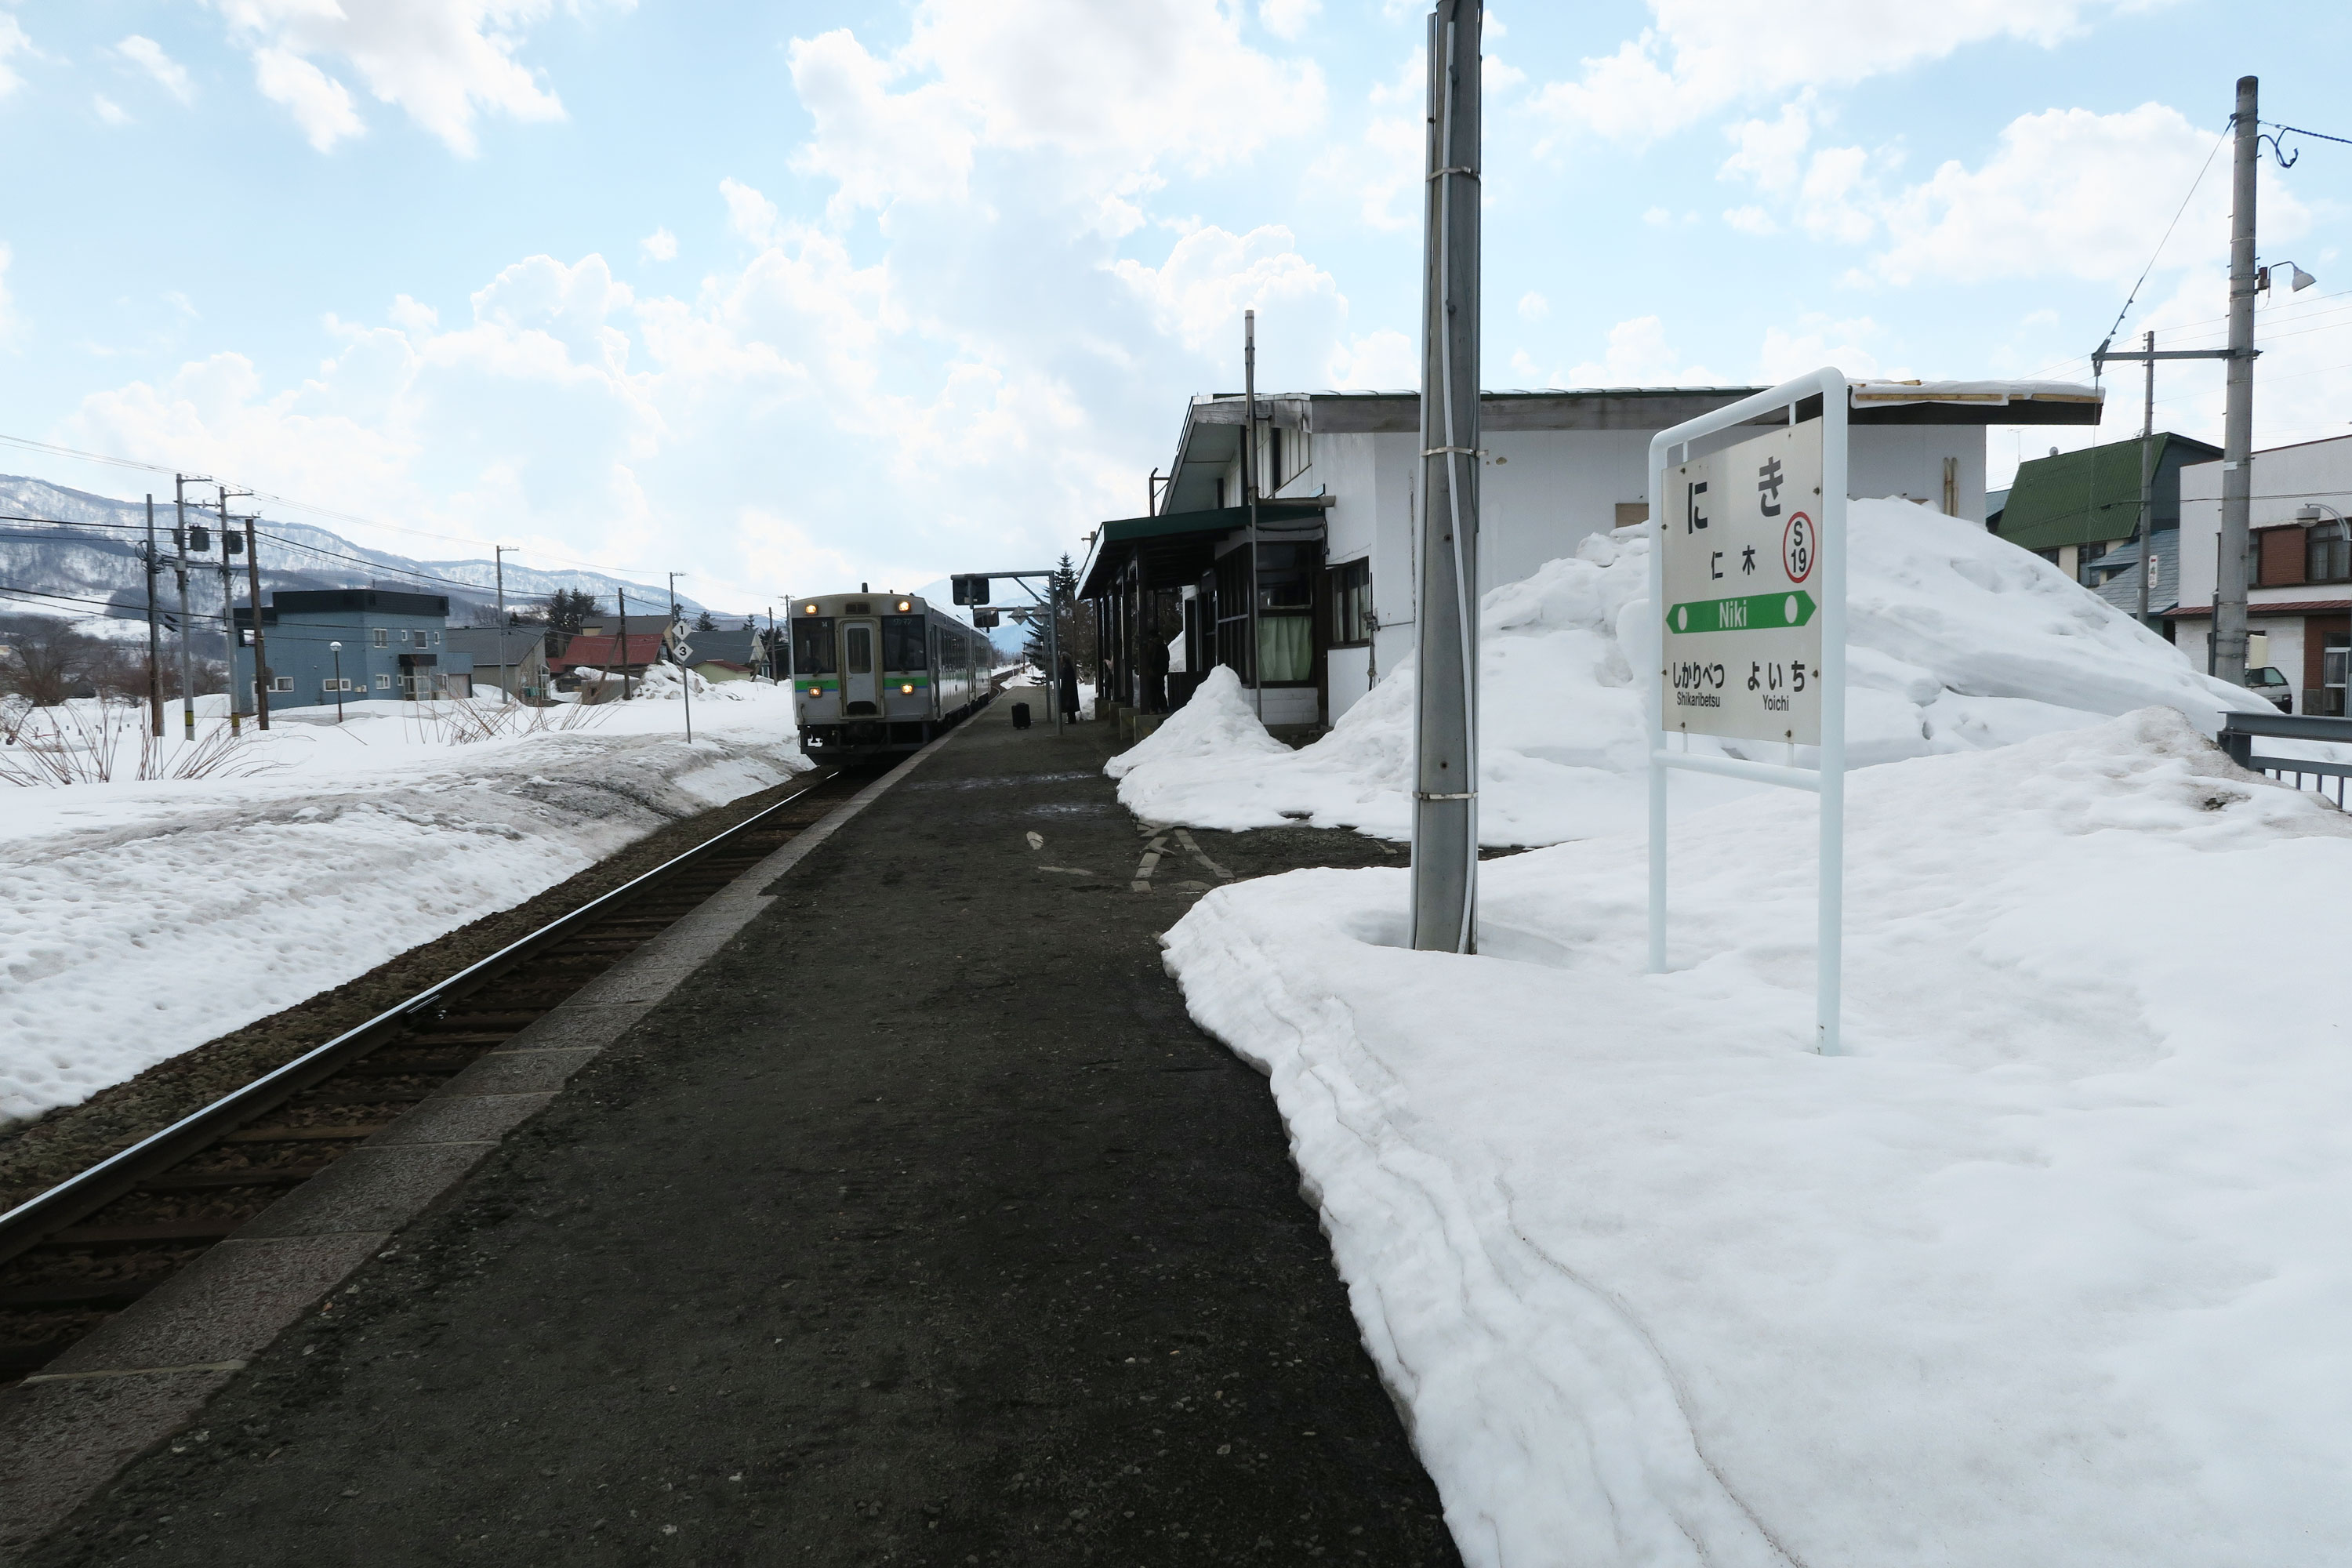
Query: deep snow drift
(1957,641)
(144,919)
(2051,1268)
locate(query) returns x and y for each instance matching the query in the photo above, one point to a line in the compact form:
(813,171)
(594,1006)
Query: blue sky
(792,295)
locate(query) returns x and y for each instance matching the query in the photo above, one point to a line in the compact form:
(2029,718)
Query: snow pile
(1958,640)
(146,917)
(2052,1268)
(668,683)
(1217,724)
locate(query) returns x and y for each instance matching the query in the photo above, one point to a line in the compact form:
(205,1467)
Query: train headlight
(908,688)
(808,609)
(906,604)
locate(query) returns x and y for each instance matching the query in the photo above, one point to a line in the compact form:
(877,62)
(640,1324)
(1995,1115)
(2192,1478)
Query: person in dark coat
(1070,684)
(1155,676)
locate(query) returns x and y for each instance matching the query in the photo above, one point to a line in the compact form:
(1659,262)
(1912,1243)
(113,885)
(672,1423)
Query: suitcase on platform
(1020,715)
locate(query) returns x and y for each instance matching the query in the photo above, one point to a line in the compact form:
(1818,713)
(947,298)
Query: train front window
(903,639)
(857,649)
(812,646)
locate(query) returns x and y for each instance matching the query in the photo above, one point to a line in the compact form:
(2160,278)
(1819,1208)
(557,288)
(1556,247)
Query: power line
(2176,216)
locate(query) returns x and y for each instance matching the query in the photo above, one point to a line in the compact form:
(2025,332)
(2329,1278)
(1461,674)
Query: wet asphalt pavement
(921,1226)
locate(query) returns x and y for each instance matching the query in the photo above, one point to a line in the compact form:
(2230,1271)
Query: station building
(2299,576)
(394,647)
(1329,564)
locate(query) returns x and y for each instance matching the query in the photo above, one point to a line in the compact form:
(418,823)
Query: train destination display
(1741,643)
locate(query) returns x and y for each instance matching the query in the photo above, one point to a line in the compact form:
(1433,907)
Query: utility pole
(621,648)
(260,647)
(499,557)
(2238,416)
(1249,499)
(228,619)
(1445,652)
(2147,478)
(180,483)
(1054,646)
(154,642)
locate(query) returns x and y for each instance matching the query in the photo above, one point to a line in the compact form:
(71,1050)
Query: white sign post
(1747,583)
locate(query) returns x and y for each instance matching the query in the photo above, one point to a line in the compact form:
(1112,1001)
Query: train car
(877,673)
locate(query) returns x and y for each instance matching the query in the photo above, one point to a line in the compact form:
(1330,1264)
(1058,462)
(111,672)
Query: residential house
(501,656)
(2299,583)
(2081,510)
(355,644)
(1321,604)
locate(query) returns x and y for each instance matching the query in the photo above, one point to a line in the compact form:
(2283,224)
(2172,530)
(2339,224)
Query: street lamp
(337,649)
(2297,279)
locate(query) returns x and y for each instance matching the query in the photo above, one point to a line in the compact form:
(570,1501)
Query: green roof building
(2074,507)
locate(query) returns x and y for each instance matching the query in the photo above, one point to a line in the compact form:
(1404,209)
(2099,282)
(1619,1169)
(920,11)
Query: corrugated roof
(2084,497)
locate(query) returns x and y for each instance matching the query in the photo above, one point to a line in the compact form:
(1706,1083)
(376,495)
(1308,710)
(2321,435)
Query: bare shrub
(50,746)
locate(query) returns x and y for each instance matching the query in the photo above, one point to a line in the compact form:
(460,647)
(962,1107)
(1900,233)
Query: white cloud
(1771,152)
(1287,18)
(1383,361)
(1699,56)
(659,246)
(1752,220)
(13,42)
(1114,91)
(320,105)
(1385,166)
(149,56)
(749,213)
(1639,355)
(410,316)
(1211,276)
(444,62)
(108,110)
(1533,307)
(1657,218)
(1817,342)
(2070,193)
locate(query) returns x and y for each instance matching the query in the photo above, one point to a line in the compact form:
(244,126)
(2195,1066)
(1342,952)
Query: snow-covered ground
(1959,641)
(146,917)
(2051,1268)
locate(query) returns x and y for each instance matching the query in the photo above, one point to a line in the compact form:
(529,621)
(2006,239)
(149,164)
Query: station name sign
(1740,632)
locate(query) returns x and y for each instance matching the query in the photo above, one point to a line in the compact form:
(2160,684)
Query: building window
(281,683)
(1348,589)
(1274,457)
(1286,613)
(384,683)
(2329,553)
(379,635)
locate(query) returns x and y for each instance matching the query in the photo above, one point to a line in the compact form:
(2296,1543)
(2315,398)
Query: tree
(1075,635)
(704,623)
(46,661)
(567,608)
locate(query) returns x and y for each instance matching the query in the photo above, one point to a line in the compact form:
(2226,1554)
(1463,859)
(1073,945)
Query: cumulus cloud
(659,246)
(13,43)
(1383,361)
(1533,307)
(1699,56)
(1197,296)
(108,110)
(169,73)
(1639,355)
(1287,18)
(1115,92)
(1817,341)
(320,105)
(442,62)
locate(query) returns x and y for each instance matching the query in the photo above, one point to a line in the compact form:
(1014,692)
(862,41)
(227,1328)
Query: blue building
(394,647)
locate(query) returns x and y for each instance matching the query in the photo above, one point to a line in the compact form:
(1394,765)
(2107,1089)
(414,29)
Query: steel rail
(33,1221)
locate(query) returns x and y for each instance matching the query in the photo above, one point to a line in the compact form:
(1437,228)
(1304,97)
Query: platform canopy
(1175,548)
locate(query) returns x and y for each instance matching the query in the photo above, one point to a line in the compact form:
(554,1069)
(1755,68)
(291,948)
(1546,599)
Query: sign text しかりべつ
(1741,643)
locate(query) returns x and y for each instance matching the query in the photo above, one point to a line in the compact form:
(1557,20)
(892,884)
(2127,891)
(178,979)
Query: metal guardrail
(2239,731)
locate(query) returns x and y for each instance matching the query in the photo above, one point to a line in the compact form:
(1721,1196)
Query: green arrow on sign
(1752,613)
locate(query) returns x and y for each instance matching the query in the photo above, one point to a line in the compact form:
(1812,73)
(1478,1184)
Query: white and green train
(873,673)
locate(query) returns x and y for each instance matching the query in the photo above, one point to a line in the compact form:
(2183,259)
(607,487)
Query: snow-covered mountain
(52,562)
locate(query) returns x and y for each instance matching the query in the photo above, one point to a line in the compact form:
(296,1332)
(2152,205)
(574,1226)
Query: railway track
(91,1245)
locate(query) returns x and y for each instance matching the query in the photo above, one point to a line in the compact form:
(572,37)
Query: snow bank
(144,919)
(1216,724)
(1958,640)
(2051,1269)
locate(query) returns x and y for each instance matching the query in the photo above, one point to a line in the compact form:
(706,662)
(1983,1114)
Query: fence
(2239,731)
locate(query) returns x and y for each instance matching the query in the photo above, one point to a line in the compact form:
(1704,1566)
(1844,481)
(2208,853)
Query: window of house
(380,636)
(2279,557)
(281,683)
(1348,589)
(384,683)
(1286,611)
(1274,457)
(903,642)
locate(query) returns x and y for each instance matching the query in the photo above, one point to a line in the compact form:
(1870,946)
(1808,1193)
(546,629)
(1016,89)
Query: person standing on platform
(1155,676)
(1070,684)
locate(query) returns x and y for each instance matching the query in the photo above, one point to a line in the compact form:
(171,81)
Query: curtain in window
(1286,648)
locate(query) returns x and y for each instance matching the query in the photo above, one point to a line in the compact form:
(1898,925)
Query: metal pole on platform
(1256,656)
(2238,412)
(260,646)
(1446,654)
(154,641)
(2147,479)
(180,576)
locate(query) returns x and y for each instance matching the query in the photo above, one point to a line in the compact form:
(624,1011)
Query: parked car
(2271,683)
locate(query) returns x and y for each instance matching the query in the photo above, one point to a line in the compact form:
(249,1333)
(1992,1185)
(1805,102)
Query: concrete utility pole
(621,648)
(1446,717)
(1249,498)
(180,483)
(260,646)
(2238,416)
(499,557)
(228,619)
(154,641)
(2147,478)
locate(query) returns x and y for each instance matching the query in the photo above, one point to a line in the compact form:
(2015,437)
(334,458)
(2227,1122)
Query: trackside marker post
(1748,587)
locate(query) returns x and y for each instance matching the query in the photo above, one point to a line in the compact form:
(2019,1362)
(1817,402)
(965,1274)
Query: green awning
(1177,546)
